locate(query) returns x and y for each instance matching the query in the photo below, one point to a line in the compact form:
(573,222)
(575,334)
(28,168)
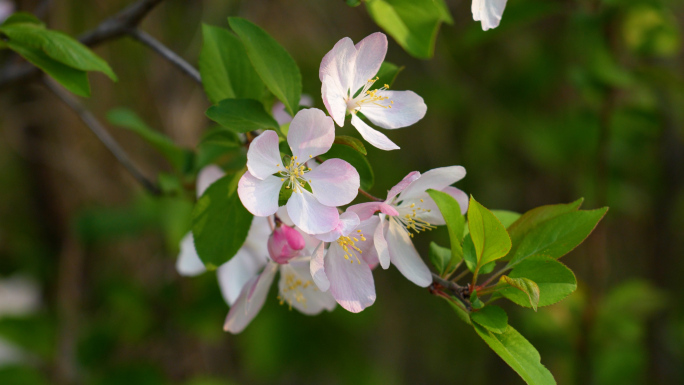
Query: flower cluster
(326,255)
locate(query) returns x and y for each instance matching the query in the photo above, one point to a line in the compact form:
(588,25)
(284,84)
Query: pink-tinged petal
(284,244)
(351,283)
(489,12)
(405,257)
(364,238)
(338,64)
(317,268)
(371,53)
(260,197)
(399,187)
(207,176)
(372,136)
(299,291)
(436,179)
(424,207)
(334,100)
(312,133)
(368,209)
(263,156)
(282,215)
(189,263)
(282,116)
(407,109)
(347,223)
(334,183)
(381,243)
(247,306)
(310,215)
(234,274)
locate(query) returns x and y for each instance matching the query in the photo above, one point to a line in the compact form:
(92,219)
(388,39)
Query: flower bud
(284,244)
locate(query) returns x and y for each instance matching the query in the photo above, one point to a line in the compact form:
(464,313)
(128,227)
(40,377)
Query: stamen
(292,290)
(348,244)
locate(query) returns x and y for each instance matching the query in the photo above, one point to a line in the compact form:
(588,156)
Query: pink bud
(284,244)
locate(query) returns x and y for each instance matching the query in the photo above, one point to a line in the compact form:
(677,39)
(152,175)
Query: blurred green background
(565,99)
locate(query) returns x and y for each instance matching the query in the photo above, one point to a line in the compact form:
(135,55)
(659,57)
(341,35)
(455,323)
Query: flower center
(292,290)
(294,174)
(348,244)
(412,222)
(367,97)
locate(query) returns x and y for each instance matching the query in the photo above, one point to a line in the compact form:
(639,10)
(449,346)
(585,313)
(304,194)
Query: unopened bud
(285,244)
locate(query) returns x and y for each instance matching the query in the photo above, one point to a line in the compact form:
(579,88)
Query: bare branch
(459,291)
(166,53)
(101,132)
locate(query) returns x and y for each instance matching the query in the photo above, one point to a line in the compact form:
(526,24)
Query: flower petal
(489,12)
(250,301)
(282,116)
(310,215)
(338,64)
(263,156)
(317,268)
(334,100)
(298,290)
(399,187)
(365,210)
(350,283)
(371,53)
(364,239)
(334,183)
(460,196)
(372,136)
(311,134)
(407,109)
(189,263)
(207,176)
(260,197)
(405,257)
(381,243)
(347,223)
(437,179)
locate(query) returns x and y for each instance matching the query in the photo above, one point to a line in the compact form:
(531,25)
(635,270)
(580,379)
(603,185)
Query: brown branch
(101,132)
(166,53)
(114,27)
(461,292)
(370,196)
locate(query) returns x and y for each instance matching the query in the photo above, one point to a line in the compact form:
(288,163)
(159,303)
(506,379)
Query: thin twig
(166,53)
(101,132)
(369,196)
(114,27)
(459,291)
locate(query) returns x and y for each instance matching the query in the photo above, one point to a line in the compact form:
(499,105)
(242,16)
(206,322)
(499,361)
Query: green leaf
(271,61)
(226,71)
(59,46)
(554,280)
(525,285)
(180,158)
(412,23)
(489,236)
(507,218)
(353,3)
(558,236)
(354,158)
(352,142)
(242,115)
(492,317)
(440,257)
(22,17)
(220,222)
(518,353)
(451,211)
(72,79)
(387,74)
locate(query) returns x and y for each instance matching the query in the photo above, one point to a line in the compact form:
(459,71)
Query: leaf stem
(461,275)
(498,273)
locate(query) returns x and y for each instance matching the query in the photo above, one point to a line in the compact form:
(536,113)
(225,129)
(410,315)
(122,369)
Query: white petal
(436,179)
(372,136)
(189,263)
(365,210)
(298,290)
(367,230)
(347,223)
(260,197)
(250,301)
(334,183)
(407,109)
(311,134)
(334,100)
(338,64)
(351,283)
(207,176)
(399,187)
(263,156)
(310,215)
(489,12)
(381,243)
(405,257)
(317,268)
(371,53)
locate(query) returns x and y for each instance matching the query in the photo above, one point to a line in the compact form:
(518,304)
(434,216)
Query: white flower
(489,12)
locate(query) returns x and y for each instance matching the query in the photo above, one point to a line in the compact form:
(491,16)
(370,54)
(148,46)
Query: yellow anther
(358,231)
(282,179)
(310,156)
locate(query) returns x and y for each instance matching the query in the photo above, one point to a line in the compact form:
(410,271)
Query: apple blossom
(408,209)
(315,192)
(348,72)
(489,12)
(345,268)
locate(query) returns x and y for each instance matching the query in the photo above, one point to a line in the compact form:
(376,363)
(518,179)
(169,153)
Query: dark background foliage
(565,99)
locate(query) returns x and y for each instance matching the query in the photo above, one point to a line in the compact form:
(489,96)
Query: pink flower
(345,268)
(284,243)
(315,193)
(347,73)
(489,12)
(410,209)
